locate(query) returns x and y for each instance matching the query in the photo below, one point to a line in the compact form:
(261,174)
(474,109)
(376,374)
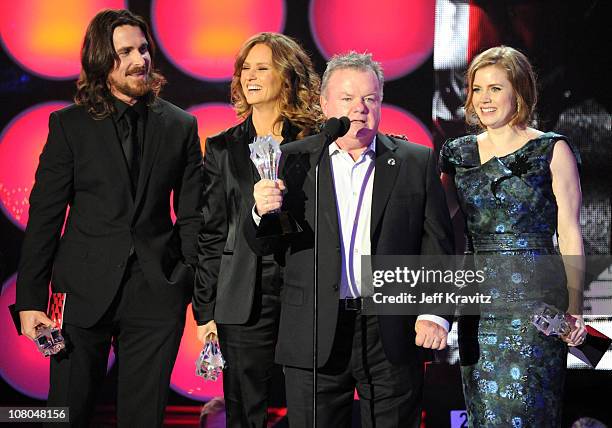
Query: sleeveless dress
(512,374)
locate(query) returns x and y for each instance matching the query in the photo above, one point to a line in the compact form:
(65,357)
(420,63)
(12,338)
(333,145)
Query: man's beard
(135,89)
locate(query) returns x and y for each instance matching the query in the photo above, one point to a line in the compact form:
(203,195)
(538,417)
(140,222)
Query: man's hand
(430,335)
(31,319)
(208,330)
(268,195)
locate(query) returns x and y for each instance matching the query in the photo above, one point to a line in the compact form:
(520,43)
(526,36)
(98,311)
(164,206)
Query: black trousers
(249,353)
(390,395)
(146,342)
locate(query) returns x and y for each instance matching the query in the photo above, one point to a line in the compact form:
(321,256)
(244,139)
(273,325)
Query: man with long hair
(114,157)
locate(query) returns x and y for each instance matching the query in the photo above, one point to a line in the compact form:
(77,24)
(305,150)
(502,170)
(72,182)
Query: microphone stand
(333,133)
(334,129)
(315,289)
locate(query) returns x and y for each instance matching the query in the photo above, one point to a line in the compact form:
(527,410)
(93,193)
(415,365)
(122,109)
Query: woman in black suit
(276,90)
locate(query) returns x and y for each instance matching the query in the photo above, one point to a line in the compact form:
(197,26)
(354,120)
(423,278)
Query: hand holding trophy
(45,329)
(49,340)
(210,362)
(551,321)
(266,155)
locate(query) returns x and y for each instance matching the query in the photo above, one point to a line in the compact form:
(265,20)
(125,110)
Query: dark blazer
(82,167)
(227,268)
(409,217)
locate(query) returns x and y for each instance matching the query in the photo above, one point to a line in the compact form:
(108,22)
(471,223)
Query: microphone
(333,129)
(336,127)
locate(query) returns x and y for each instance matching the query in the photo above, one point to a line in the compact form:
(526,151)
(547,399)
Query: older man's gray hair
(354,60)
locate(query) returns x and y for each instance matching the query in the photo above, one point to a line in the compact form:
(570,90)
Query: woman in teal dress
(516,187)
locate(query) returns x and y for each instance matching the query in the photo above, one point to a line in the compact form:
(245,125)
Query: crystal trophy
(210,363)
(266,155)
(49,340)
(552,321)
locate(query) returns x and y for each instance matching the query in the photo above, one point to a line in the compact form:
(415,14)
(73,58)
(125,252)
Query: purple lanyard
(352,284)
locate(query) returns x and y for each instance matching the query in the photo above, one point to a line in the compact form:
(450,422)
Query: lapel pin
(391,162)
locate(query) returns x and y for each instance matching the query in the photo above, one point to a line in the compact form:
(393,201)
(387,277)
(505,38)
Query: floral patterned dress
(512,374)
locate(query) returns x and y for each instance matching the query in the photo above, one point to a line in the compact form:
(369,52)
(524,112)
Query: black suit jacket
(227,268)
(82,167)
(409,217)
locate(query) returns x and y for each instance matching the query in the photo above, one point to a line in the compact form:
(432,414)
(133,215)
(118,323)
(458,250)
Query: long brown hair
(299,95)
(520,74)
(98,59)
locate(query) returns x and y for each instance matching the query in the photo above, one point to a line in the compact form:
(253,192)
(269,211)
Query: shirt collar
(371,149)
(120,107)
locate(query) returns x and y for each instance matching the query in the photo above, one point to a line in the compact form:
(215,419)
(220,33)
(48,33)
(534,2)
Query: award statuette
(265,155)
(551,321)
(49,340)
(554,322)
(210,363)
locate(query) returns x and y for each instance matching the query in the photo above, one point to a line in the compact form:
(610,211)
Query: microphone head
(345,123)
(335,128)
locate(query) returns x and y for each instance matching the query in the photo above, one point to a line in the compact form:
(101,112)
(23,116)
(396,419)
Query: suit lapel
(290,133)
(387,166)
(154,135)
(281,165)
(328,210)
(240,159)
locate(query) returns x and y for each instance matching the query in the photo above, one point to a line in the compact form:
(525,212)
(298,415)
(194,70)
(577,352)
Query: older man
(378,195)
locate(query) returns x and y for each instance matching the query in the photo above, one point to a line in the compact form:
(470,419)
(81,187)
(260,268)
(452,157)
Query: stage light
(213,118)
(22,366)
(21,143)
(45,37)
(399,34)
(396,120)
(202,37)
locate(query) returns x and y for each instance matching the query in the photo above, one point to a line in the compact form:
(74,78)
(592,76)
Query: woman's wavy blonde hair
(300,84)
(520,74)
